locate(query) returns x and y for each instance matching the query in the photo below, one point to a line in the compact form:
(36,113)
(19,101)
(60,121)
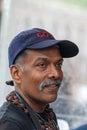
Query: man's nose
(55,73)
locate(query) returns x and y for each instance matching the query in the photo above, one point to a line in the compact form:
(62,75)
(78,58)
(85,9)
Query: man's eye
(59,65)
(42,65)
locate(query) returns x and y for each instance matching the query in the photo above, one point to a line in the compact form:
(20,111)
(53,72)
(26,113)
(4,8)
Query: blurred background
(65,19)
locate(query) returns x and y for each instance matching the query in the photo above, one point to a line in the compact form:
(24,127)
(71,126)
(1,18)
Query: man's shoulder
(9,110)
(12,114)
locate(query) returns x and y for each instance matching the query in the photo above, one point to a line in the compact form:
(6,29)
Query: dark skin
(41,65)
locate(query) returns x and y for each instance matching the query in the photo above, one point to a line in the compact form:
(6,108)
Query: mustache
(50,82)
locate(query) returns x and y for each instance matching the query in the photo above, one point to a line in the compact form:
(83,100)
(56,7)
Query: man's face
(42,68)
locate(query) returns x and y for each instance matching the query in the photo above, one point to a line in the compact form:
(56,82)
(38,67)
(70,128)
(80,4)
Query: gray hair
(19,61)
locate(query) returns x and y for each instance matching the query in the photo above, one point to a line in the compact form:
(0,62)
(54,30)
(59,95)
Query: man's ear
(16,73)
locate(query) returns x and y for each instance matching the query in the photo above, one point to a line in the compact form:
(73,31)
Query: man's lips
(52,87)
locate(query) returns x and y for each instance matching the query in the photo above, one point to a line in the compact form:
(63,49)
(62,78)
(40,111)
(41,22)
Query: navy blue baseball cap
(37,38)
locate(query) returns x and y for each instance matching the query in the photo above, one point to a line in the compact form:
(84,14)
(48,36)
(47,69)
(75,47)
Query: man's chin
(52,98)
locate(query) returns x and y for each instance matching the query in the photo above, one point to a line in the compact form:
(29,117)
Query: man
(35,61)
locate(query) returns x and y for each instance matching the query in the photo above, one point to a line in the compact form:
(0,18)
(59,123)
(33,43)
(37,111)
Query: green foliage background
(81,3)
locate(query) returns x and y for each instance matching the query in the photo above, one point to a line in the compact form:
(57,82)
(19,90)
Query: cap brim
(66,47)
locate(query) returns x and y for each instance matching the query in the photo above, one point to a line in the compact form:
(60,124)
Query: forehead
(50,53)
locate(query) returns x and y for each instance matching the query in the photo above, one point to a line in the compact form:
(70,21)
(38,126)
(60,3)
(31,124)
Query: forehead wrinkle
(47,59)
(41,58)
(47,55)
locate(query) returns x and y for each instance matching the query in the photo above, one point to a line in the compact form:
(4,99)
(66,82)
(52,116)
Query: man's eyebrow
(45,59)
(41,58)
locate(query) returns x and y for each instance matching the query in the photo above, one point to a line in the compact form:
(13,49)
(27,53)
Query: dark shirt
(14,118)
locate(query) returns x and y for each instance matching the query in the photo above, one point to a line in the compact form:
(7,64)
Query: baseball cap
(38,38)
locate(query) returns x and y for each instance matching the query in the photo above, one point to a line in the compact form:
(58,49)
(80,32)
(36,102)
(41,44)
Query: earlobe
(15,73)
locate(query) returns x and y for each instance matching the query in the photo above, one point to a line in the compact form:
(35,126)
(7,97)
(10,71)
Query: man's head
(35,61)
(37,38)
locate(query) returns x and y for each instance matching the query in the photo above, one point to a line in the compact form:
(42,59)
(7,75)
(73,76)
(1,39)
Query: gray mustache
(50,82)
